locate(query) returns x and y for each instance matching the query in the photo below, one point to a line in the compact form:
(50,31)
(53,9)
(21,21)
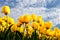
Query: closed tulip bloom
(30,31)
(40,35)
(39,19)
(49,32)
(20,29)
(35,25)
(27,26)
(3,23)
(54,34)
(2,28)
(41,23)
(30,28)
(48,25)
(38,27)
(10,20)
(56,29)
(14,28)
(19,24)
(27,18)
(21,19)
(6,10)
(42,30)
(5,18)
(58,34)
(34,17)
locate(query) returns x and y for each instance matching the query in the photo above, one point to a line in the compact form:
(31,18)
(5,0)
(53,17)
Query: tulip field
(28,27)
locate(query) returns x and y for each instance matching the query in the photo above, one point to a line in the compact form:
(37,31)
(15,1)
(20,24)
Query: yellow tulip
(40,35)
(41,23)
(30,30)
(3,23)
(19,24)
(56,29)
(10,20)
(37,32)
(5,18)
(27,26)
(6,10)
(30,33)
(21,19)
(58,34)
(49,32)
(48,25)
(47,37)
(2,28)
(54,34)
(27,18)
(35,25)
(14,28)
(42,30)
(34,17)
(38,27)
(20,29)
(39,19)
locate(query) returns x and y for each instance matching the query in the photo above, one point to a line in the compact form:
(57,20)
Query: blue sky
(39,3)
(48,9)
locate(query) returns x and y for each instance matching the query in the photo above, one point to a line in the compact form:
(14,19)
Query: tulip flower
(6,10)
(35,25)
(10,20)
(21,19)
(14,28)
(39,19)
(41,23)
(34,17)
(49,32)
(30,31)
(56,29)
(42,30)
(2,28)
(20,29)
(19,24)
(48,25)
(27,18)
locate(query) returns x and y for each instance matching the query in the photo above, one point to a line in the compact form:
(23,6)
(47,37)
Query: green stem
(34,35)
(14,35)
(24,30)
(23,37)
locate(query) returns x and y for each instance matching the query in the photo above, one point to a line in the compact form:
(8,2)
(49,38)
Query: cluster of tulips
(28,27)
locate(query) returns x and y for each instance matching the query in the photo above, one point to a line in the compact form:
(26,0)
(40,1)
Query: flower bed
(28,27)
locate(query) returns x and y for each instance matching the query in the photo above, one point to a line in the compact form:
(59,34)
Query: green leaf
(7,32)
